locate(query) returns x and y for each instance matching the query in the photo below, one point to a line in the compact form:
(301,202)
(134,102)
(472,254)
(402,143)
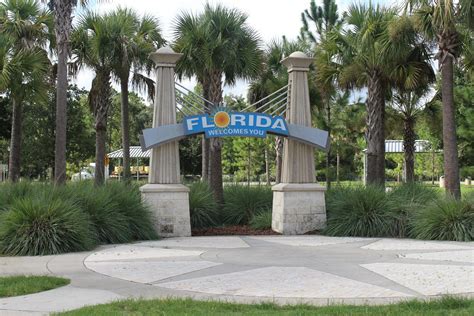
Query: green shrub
(262,220)
(44,219)
(404,200)
(130,205)
(444,219)
(202,206)
(359,211)
(43,225)
(241,203)
(466,171)
(110,224)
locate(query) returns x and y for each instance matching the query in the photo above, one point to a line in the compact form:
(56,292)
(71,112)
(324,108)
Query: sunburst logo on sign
(221,118)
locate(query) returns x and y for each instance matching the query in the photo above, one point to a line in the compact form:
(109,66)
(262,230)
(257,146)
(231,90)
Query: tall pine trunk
(409,148)
(99,97)
(267,163)
(279,158)
(125,125)
(375,134)
(63,21)
(15,142)
(450,150)
(215,144)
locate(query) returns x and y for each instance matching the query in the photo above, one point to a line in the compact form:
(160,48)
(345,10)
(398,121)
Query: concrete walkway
(282,269)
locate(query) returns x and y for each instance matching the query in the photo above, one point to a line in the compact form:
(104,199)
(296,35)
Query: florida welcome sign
(245,124)
(223,123)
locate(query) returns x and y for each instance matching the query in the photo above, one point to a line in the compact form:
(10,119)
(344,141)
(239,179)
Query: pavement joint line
(407,289)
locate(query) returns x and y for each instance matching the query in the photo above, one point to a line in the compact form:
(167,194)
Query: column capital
(297,61)
(165,57)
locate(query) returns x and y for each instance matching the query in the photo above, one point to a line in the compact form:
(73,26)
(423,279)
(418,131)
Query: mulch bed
(232,230)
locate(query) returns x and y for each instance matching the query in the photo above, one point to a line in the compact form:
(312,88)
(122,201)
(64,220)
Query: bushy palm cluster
(115,45)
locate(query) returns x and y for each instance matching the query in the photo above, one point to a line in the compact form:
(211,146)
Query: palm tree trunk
(100,98)
(337,166)
(216,143)
(125,125)
(328,153)
(15,142)
(100,140)
(249,163)
(451,166)
(63,21)
(375,133)
(205,142)
(409,148)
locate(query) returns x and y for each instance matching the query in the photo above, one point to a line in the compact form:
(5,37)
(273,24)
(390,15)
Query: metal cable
(268,96)
(186,103)
(195,95)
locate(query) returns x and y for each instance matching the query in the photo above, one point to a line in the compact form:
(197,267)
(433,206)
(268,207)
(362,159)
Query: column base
(169,204)
(298,208)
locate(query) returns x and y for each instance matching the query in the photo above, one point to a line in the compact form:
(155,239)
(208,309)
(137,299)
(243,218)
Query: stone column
(298,202)
(167,197)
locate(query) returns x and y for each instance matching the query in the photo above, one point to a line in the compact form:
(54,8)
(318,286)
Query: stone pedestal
(298,202)
(166,196)
(170,207)
(298,208)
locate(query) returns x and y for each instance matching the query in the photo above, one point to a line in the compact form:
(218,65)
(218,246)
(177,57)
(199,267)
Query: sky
(271,18)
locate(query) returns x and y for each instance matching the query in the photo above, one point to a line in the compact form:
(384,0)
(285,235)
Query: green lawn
(445,306)
(22,285)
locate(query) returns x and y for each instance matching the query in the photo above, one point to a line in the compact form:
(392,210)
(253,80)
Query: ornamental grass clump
(359,211)
(41,219)
(262,220)
(242,203)
(405,200)
(41,224)
(10,192)
(136,212)
(110,225)
(202,206)
(444,219)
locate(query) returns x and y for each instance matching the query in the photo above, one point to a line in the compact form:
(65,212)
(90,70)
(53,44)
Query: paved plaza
(283,269)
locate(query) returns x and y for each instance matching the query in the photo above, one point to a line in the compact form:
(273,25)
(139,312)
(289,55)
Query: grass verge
(444,306)
(23,284)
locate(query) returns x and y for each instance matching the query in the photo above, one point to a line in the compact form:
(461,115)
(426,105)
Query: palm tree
(325,19)
(192,40)
(409,106)
(376,51)
(62,10)
(63,25)
(94,44)
(411,80)
(137,38)
(438,20)
(228,49)
(24,67)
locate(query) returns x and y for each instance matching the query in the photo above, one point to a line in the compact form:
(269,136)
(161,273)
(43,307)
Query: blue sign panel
(223,123)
